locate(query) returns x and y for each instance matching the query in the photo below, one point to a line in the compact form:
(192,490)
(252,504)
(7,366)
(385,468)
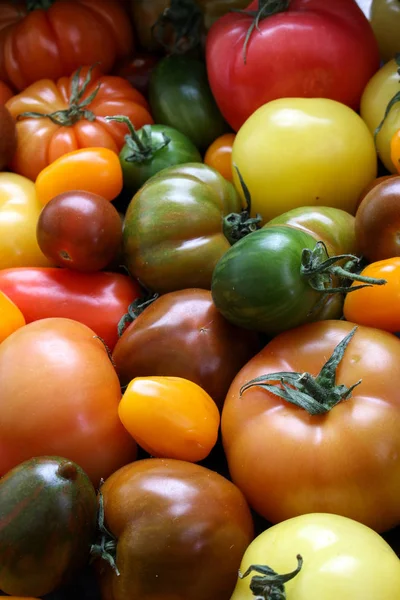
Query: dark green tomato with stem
(150,150)
(278,278)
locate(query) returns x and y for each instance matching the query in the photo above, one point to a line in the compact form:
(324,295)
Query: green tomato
(385,21)
(341,560)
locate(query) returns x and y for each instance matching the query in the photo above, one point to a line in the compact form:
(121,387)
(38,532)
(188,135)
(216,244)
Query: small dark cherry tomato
(79,230)
(137,70)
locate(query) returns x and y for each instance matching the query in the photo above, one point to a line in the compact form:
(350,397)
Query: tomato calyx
(106,546)
(141,145)
(319,269)
(392,102)
(266,8)
(269,585)
(184,19)
(237,225)
(38,4)
(317,395)
(135,309)
(77,107)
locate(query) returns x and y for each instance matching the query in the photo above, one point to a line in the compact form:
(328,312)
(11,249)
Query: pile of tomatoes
(199,289)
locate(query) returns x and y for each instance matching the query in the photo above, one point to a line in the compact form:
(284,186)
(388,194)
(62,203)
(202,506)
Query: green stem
(238,225)
(269,585)
(392,102)
(134,310)
(106,546)
(141,144)
(185,19)
(38,4)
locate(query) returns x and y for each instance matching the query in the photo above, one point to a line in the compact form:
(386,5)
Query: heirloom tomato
(59,395)
(5,92)
(56,117)
(280,49)
(179,531)
(337,558)
(51,39)
(137,70)
(311,424)
(380,111)
(304,151)
(11,317)
(385,22)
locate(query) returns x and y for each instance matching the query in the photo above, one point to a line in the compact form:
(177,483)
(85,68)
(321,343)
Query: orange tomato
(11,317)
(219,155)
(170,417)
(395,150)
(95,170)
(56,117)
(378,305)
(5,93)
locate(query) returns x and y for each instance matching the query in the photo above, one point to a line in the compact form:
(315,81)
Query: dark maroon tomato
(8,137)
(79,230)
(183,335)
(137,70)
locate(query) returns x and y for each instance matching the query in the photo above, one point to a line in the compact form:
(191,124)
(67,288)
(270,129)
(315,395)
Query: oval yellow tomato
(341,558)
(11,317)
(385,21)
(296,152)
(19,214)
(383,86)
(170,417)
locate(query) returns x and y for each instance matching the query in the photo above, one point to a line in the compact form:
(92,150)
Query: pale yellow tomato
(296,152)
(383,86)
(341,560)
(385,21)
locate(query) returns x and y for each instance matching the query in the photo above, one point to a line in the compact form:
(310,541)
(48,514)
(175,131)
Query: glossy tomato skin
(80,231)
(52,43)
(309,50)
(173,228)
(219,155)
(385,22)
(98,300)
(41,141)
(340,560)
(180,521)
(11,317)
(61,368)
(183,335)
(180,97)
(288,462)
(5,92)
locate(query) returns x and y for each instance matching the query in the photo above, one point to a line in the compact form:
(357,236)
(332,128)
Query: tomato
(385,21)
(151,149)
(219,155)
(340,559)
(304,151)
(381,88)
(53,39)
(173,230)
(59,396)
(8,137)
(330,52)
(345,438)
(181,334)
(94,170)
(177,520)
(11,317)
(5,92)
(377,307)
(137,70)
(99,300)
(170,417)
(19,213)
(377,221)
(180,97)
(80,231)
(371,186)
(395,150)
(56,117)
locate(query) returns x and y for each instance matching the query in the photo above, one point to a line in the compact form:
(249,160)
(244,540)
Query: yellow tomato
(383,86)
(395,150)
(170,417)
(296,152)
(385,21)
(11,318)
(341,560)
(19,213)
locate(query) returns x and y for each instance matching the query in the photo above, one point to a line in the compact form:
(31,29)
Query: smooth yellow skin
(296,152)
(342,560)
(385,21)
(377,95)
(19,213)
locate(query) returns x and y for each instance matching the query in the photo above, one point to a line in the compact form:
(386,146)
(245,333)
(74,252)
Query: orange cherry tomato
(11,317)
(395,150)
(378,305)
(5,92)
(219,155)
(170,417)
(95,170)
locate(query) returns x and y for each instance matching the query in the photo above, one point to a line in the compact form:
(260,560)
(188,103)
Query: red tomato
(99,300)
(54,41)
(5,92)
(61,123)
(313,48)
